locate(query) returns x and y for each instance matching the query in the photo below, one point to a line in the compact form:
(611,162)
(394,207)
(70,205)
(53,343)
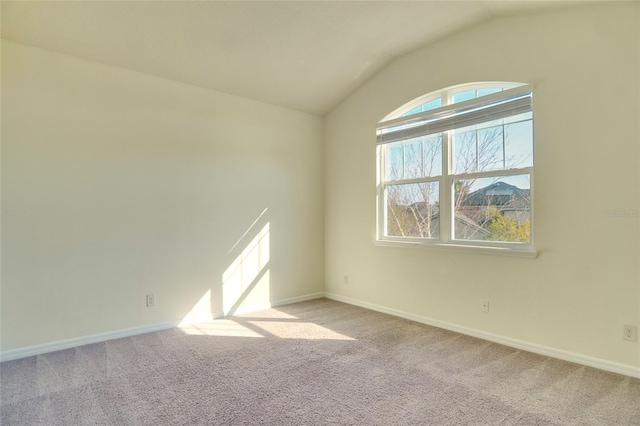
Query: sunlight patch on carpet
(299,330)
(221,327)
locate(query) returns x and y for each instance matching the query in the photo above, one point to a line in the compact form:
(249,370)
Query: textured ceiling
(305,55)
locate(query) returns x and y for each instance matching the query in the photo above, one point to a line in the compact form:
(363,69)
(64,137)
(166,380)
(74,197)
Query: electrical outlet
(345,280)
(151,300)
(485,306)
(630,333)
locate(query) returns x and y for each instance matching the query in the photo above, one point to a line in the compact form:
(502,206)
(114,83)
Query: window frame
(446,239)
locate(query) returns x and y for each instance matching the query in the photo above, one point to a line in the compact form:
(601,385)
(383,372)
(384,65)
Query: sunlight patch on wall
(242,275)
(200,312)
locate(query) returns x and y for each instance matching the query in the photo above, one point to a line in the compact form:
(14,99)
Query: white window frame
(448,177)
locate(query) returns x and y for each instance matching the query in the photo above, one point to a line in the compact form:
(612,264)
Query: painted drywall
(116,184)
(585,283)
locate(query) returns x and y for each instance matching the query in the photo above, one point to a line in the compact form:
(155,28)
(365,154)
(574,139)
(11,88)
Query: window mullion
(382,193)
(477,139)
(414,180)
(492,173)
(446,210)
(504,146)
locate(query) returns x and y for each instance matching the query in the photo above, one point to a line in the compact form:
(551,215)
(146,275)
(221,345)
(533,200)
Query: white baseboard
(598,363)
(84,340)
(117,334)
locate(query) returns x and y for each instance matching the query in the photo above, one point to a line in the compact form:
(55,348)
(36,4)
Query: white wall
(585,284)
(117,184)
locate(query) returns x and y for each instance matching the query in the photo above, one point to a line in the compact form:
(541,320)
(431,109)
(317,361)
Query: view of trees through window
(485,178)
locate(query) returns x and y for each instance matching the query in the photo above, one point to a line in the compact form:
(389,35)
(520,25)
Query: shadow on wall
(245,282)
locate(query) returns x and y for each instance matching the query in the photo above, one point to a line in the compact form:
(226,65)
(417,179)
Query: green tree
(503,228)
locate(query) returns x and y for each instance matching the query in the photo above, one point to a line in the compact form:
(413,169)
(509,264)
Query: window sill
(528,252)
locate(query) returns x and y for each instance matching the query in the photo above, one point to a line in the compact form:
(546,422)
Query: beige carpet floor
(313,363)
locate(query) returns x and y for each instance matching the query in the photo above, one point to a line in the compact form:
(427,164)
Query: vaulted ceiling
(304,55)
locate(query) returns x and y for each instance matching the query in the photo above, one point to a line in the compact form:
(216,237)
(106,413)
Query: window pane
(519,144)
(412,111)
(413,210)
(493,146)
(485,92)
(472,94)
(464,96)
(465,151)
(432,155)
(393,161)
(493,209)
(414,158)
(436,103)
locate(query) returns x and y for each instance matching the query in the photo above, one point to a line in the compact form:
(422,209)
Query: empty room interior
(320,213)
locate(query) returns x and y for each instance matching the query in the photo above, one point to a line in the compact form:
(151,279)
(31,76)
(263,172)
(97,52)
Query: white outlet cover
(630,333)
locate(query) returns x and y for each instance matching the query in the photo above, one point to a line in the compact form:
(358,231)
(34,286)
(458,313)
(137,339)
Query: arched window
(455,167)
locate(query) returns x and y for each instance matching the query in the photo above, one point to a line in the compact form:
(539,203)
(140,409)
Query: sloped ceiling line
(307,55)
